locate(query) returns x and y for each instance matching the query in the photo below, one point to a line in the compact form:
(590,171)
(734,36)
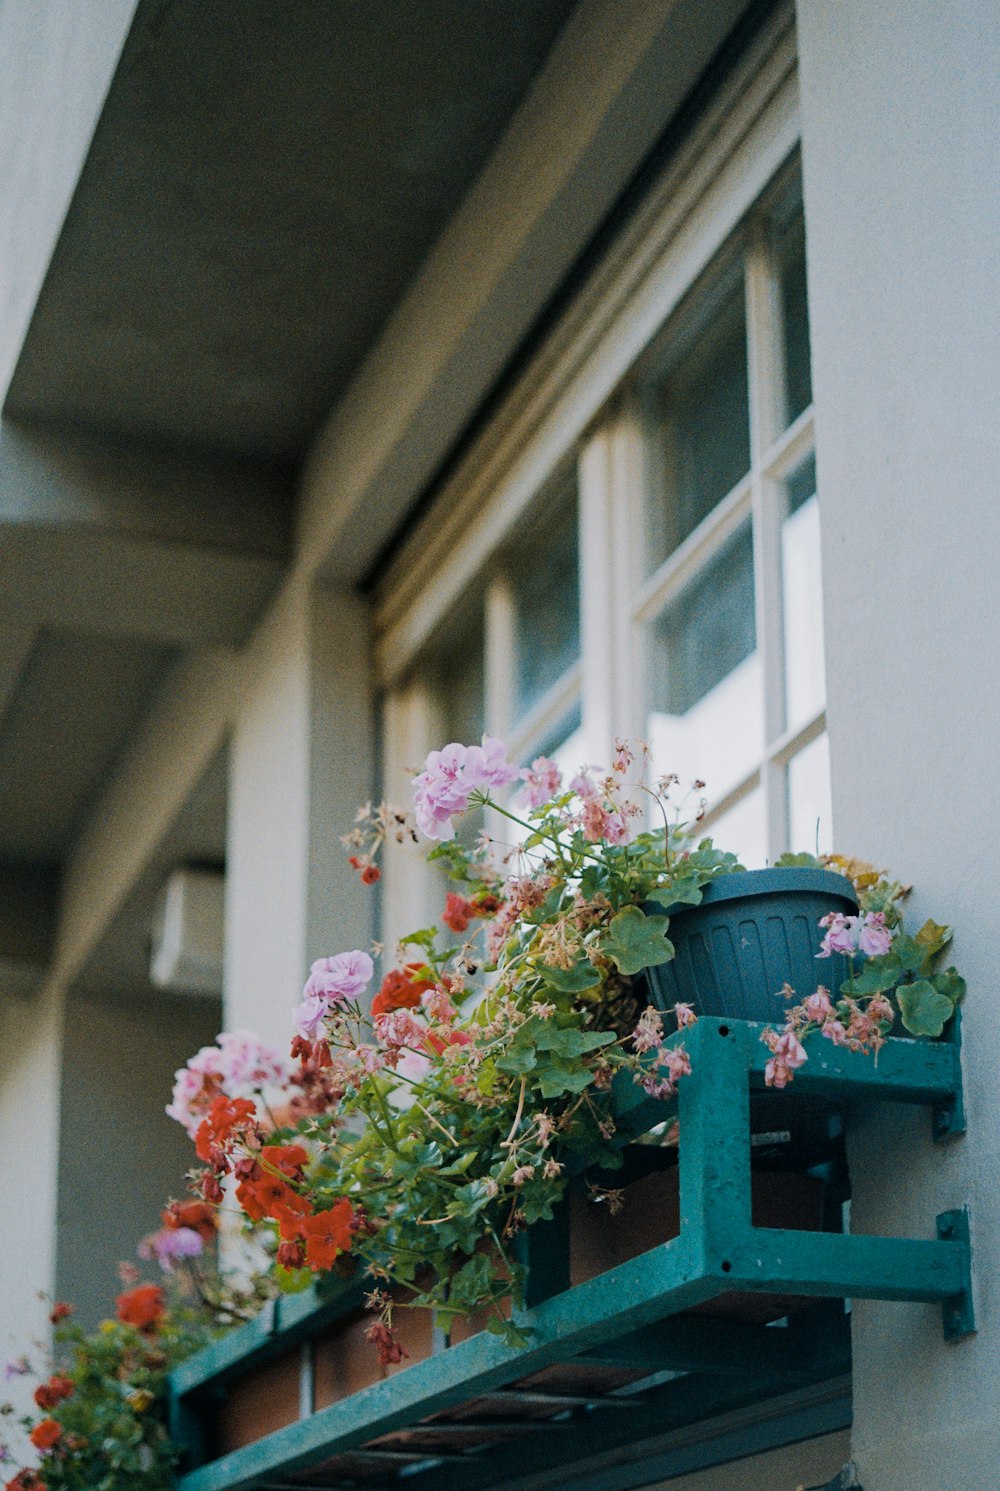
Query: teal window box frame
(698,1368)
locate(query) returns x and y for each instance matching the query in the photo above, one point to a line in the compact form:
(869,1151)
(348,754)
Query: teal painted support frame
(718,1252)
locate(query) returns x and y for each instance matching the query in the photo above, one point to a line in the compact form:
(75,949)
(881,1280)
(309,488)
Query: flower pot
(753,932)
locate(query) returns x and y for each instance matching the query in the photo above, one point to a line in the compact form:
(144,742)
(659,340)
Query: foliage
(101,1420)
(895,980)
(435,1125)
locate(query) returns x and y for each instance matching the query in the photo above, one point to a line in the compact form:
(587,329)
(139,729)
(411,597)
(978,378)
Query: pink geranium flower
(841,935)
(344,976)
(874,937)
(450,776)
(542,780)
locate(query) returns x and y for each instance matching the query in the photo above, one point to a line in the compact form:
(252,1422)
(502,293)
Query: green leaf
(511,1335)
(571,1042)
(797,861)
(582,975)
(875,976)
(636,941)
(924,1010)
(912,954)
(471,1282)
(519,1059)
(933,937)
(555,1080)
(950,984)
(685,891)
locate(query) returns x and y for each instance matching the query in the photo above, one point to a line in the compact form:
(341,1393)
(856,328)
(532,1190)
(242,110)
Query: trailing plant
(100,1405)
(434,1122)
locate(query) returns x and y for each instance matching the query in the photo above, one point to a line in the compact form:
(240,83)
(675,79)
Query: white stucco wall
(120,1157)
(30,1054)
(901,140)
(301,761)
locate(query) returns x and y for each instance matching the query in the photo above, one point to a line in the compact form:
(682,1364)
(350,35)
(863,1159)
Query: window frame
(581,395)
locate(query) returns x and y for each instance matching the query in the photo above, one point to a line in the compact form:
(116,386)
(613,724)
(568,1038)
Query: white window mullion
(629,471)
(599,647)
(764,372)
(410,725)
(501,657)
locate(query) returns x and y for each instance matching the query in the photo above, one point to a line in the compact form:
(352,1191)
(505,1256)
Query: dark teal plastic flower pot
(753,932)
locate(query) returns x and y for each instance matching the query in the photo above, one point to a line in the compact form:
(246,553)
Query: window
(633,545)
(728,621)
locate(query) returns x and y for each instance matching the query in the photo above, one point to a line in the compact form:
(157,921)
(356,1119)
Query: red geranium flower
(197,1215)
(142,1307)
(270,1197)
(45,1434)
(27,1480)
(328,1233)
(383,1338)
(288,1158)
(458,912)
(50,1394)
(401,990)
(225,1116)
(60,1311)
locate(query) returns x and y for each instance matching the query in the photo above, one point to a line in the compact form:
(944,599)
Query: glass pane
(455,675)
(706,707)
(703,406)
(802,599)
(790,255)
(566,745)
(810,814)
(743,830)
(544,572)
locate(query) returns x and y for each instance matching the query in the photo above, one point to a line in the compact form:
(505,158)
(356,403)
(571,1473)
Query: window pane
(544,573)
(565,744)
(703,408)
(810,814)
(802,599)
(706,707)
(455,675)
(790,255)
(743,830)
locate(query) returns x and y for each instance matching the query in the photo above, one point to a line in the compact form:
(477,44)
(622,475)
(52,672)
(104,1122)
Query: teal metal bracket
(959,1313)
(948,1115)
(633,1313)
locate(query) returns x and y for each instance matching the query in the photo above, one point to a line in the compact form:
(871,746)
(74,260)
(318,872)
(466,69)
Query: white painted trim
(740,145)
(690,557)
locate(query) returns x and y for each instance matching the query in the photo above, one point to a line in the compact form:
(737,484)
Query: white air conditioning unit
(186,951)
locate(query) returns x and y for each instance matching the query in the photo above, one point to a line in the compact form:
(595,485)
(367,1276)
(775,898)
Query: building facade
(632,370)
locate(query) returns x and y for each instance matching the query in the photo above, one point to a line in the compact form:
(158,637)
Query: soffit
(263,182)
(77,700)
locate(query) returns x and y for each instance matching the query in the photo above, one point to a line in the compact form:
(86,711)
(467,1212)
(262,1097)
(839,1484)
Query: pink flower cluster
(330,982)
(601,825)
(238,1065)
(542,780)
(864,1031)
(442,790)
(672,1063)
(787,1055)
(855,934)
(170,1244)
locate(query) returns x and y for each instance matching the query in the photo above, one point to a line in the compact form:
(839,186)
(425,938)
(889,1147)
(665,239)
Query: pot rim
(745,884)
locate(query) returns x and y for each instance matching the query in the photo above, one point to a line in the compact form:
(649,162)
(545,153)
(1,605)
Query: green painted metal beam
(607,1453)
(718,1347)
(628,1315)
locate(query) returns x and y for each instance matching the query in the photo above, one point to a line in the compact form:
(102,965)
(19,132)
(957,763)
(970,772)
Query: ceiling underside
(263,182)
